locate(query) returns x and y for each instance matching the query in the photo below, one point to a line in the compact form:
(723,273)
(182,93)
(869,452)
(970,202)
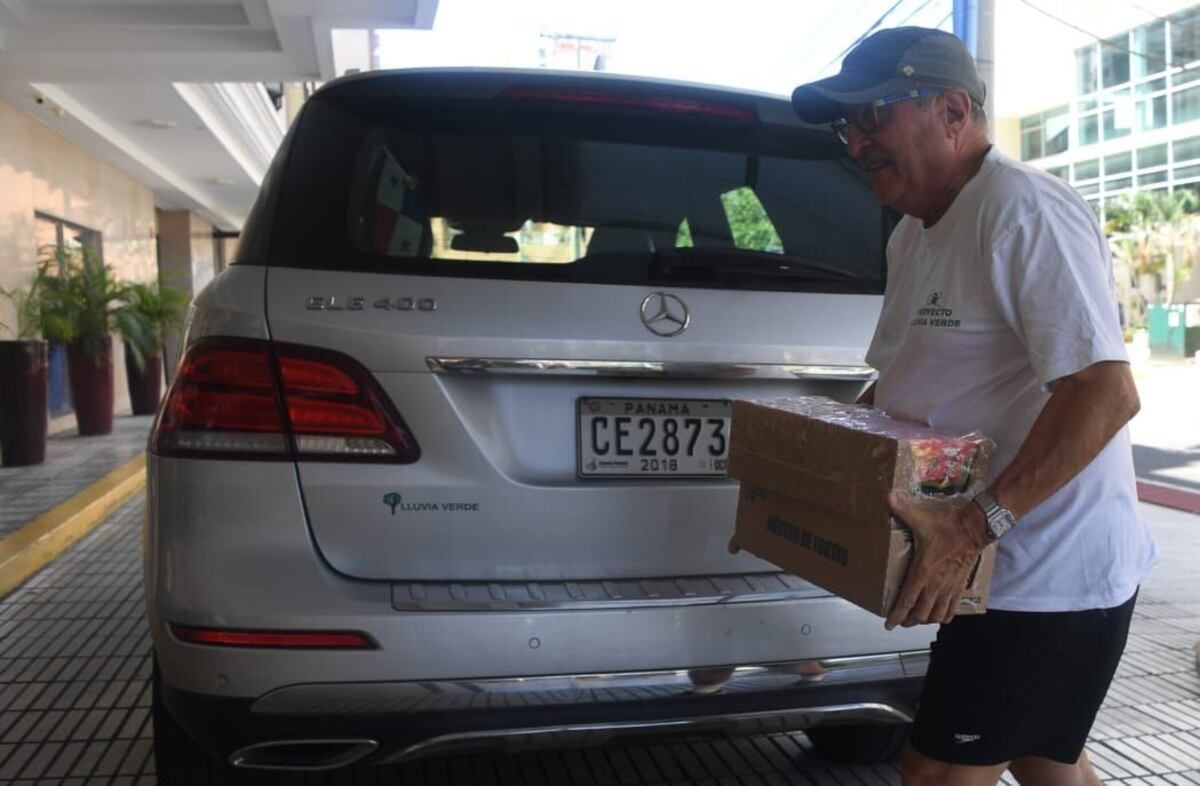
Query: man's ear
(958,110)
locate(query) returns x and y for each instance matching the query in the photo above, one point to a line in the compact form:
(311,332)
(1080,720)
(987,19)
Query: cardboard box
(815,474)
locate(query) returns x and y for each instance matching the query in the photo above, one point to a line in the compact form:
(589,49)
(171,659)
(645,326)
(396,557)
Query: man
(998,317)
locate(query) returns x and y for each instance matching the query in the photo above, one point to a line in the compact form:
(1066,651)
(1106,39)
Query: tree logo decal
(392,500)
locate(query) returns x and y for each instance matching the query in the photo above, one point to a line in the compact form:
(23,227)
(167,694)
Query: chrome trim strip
(591,595)
(356,749)
(746,723)
(576,689)
(646,369)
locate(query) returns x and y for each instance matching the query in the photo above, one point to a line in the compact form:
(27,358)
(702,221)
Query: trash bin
(1174,330)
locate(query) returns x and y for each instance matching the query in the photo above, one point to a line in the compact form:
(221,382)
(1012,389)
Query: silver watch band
(997,519)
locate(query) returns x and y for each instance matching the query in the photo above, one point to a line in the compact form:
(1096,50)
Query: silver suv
(443,465)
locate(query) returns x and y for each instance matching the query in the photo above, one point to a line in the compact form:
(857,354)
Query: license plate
(653,437)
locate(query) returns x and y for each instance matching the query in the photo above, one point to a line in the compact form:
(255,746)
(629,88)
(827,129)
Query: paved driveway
(75,696)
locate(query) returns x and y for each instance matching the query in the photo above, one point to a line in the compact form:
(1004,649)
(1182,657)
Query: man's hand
(947,540)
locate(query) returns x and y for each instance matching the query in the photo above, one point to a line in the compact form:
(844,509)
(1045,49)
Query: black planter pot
(92,388)
(145,384)
(23,392)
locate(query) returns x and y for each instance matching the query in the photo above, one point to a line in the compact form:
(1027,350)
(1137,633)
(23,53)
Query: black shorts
(1009,684)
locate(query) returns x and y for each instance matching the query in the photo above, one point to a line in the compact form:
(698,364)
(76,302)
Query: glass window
(1116,124)
(55,238)
(1118,164)
(1030,122)
(1153,86)
(1031,144)
(1186,149)
(1057,125)
(1150,44)
(1060,172)
(1187,76)
(1088,190)
(1149,178)
(748,221)
(1086,170)
(1089,130)
(1114,60)
(683,237)
(1187,172)
(51,233)
(1185,36)
(1152,113)
(1086,105)
(1085,70)
(1185,105)
(407,186)
(1116,184)
(1152,156)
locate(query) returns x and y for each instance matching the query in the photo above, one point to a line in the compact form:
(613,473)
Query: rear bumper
(399,721)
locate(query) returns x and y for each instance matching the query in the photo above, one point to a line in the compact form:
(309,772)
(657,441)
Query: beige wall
(42,171)
(1006,133)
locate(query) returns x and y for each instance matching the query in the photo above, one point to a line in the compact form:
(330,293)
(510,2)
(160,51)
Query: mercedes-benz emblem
(665,315)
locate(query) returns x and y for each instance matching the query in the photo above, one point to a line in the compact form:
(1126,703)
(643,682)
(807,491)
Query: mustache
(870,159)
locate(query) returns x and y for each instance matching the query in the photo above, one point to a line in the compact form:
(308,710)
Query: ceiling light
(150,122)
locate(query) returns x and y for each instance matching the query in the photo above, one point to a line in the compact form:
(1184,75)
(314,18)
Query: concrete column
(186,260)
(294,96)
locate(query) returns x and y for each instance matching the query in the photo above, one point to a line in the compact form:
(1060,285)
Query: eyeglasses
(871,118)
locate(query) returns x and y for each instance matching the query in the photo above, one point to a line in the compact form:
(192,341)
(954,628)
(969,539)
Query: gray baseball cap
(889,62)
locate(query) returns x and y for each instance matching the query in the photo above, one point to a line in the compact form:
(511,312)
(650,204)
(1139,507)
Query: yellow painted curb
(36,544)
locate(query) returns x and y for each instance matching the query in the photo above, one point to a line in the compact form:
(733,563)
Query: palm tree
(1152,232)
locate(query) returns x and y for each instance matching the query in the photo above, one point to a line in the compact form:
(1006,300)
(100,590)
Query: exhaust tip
(307,755)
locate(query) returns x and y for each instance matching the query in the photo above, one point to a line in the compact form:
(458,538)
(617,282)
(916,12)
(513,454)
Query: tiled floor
(75,663)
(72,464)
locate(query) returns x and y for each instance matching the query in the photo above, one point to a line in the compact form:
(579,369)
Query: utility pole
(974,23)
(985,44)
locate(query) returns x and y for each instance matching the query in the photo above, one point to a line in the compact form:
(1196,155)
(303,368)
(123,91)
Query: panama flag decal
(398,226)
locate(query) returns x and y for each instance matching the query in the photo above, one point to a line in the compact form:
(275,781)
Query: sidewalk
(47,507)
(1166,433)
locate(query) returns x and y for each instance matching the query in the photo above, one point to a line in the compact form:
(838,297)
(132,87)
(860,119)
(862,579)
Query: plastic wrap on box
(930,462)
(815,475)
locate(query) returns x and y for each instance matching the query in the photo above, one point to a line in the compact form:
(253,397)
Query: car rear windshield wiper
(740,261)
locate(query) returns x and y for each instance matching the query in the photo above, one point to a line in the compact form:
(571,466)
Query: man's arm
(1084,411)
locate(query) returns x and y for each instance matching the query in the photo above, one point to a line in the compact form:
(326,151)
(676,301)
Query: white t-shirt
(1011,290)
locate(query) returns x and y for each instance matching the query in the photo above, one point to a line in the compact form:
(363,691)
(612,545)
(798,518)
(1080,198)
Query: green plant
(1154,232)
(159,309)
(27,305)
(81,301)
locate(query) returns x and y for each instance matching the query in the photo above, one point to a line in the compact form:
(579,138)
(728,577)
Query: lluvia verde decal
(395,502)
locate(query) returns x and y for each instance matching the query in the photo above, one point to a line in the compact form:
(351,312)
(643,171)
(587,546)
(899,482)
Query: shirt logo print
(935,313)
(964,738)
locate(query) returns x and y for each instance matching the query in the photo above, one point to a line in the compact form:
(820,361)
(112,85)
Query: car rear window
(477,188)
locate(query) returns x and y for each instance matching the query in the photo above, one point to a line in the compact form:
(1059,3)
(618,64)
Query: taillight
(248,398)
(275,639)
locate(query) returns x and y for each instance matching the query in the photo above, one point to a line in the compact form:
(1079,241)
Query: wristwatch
(998,520)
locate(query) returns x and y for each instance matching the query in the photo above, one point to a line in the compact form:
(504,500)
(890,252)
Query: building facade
(1132,118)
